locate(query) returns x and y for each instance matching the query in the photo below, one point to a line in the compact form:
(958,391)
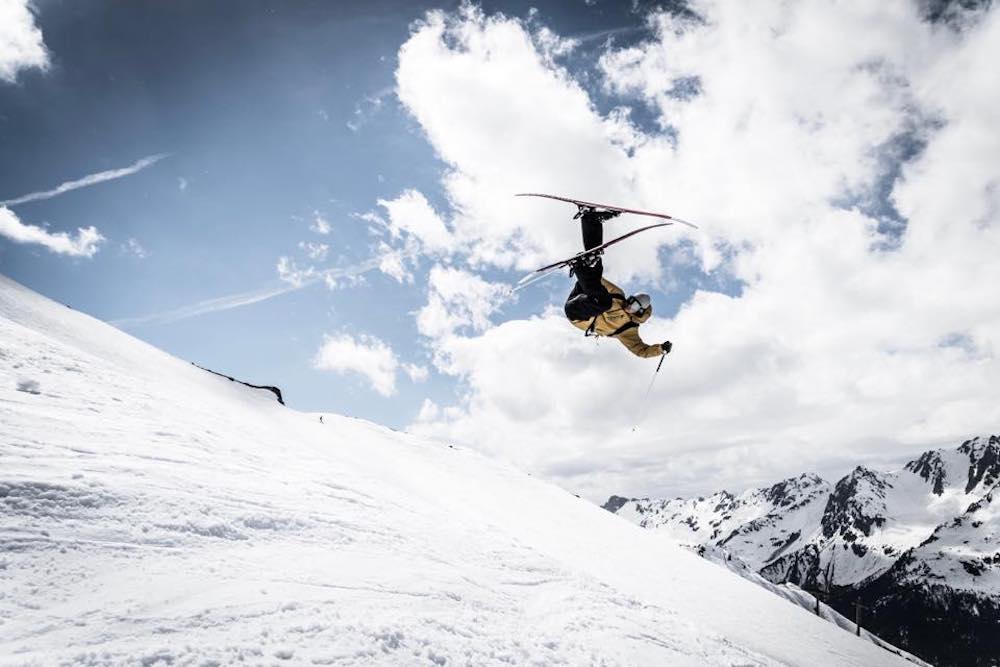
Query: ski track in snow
(152,513)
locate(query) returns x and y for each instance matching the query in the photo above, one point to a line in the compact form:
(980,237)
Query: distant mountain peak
(977,465)
(984,461)
(921,542)
(931,468)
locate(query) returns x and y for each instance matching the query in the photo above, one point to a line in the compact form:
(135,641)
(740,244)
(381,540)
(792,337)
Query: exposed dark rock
(984,462)
(844,512)
(273,390)
(931,468)
(615,503)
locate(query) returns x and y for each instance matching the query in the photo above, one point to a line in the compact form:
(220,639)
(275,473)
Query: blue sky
(269,116)
(259,153)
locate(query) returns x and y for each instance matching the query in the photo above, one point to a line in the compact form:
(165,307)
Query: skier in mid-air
(600,307)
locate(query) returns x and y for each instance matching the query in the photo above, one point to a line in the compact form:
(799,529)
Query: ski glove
(666,345)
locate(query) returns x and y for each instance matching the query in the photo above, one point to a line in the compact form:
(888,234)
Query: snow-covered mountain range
(154,513)
(918,543)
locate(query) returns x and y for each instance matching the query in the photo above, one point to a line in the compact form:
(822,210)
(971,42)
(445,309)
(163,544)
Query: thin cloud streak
(209,306)
(251,297)
(87,181)
(604,34)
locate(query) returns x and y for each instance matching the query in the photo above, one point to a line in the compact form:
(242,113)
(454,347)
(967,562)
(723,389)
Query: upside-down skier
(598,306)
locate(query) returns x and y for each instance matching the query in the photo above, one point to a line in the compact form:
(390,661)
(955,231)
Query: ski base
(607,207)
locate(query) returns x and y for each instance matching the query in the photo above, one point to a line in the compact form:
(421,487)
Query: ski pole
(645,399)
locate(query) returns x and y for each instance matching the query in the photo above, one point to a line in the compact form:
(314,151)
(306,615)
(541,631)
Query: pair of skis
(582,205)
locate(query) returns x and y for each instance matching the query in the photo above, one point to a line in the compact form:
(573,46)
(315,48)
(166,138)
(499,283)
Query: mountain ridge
(925,536)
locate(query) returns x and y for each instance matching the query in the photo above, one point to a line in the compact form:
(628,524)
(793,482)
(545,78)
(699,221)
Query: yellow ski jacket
(620,324)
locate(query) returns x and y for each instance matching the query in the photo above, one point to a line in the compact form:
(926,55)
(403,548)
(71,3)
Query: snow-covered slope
(153,512)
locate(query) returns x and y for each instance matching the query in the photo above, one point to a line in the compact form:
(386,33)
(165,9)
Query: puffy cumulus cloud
(410,215)
(21,43)
(416,372)
(366,356)
(458,301)
(777,109)
(394,264)
(413,230)
(85,243)
(866,324)
(535,390)
(506,119)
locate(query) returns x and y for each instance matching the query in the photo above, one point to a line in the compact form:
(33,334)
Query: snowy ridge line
(273,560)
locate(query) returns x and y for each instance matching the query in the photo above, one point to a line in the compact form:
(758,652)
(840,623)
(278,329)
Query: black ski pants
(589,297)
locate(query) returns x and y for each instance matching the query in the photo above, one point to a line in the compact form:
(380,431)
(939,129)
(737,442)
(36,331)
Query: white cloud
(410,214)
(429,411)
(86,181)
(413,229)
(134,248)
(416,372)
(294,275)
(84,244)
(182,183)
(367,108)
(774,118)
(298,277)
(21,43)
(505,120)
(458,301)
(366,356)
(551,45)
(393,264)
(320,224)
(315,251)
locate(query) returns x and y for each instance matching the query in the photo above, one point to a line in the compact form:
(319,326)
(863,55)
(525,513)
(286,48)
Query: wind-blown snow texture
(919,546)
(155,512)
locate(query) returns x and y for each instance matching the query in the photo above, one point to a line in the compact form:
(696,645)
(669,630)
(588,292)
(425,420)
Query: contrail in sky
(208,306)
(254,296)
(86,181)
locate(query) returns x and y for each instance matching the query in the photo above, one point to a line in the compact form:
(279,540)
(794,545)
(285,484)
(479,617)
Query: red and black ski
(607,207)
(538,274)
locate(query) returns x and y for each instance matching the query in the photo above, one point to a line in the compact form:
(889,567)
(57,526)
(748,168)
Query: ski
(538,274)
(607,207)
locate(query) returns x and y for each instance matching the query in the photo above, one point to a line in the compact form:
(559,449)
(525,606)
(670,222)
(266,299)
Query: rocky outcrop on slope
(274,390)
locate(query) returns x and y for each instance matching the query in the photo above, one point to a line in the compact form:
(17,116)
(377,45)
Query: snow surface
(154,513)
